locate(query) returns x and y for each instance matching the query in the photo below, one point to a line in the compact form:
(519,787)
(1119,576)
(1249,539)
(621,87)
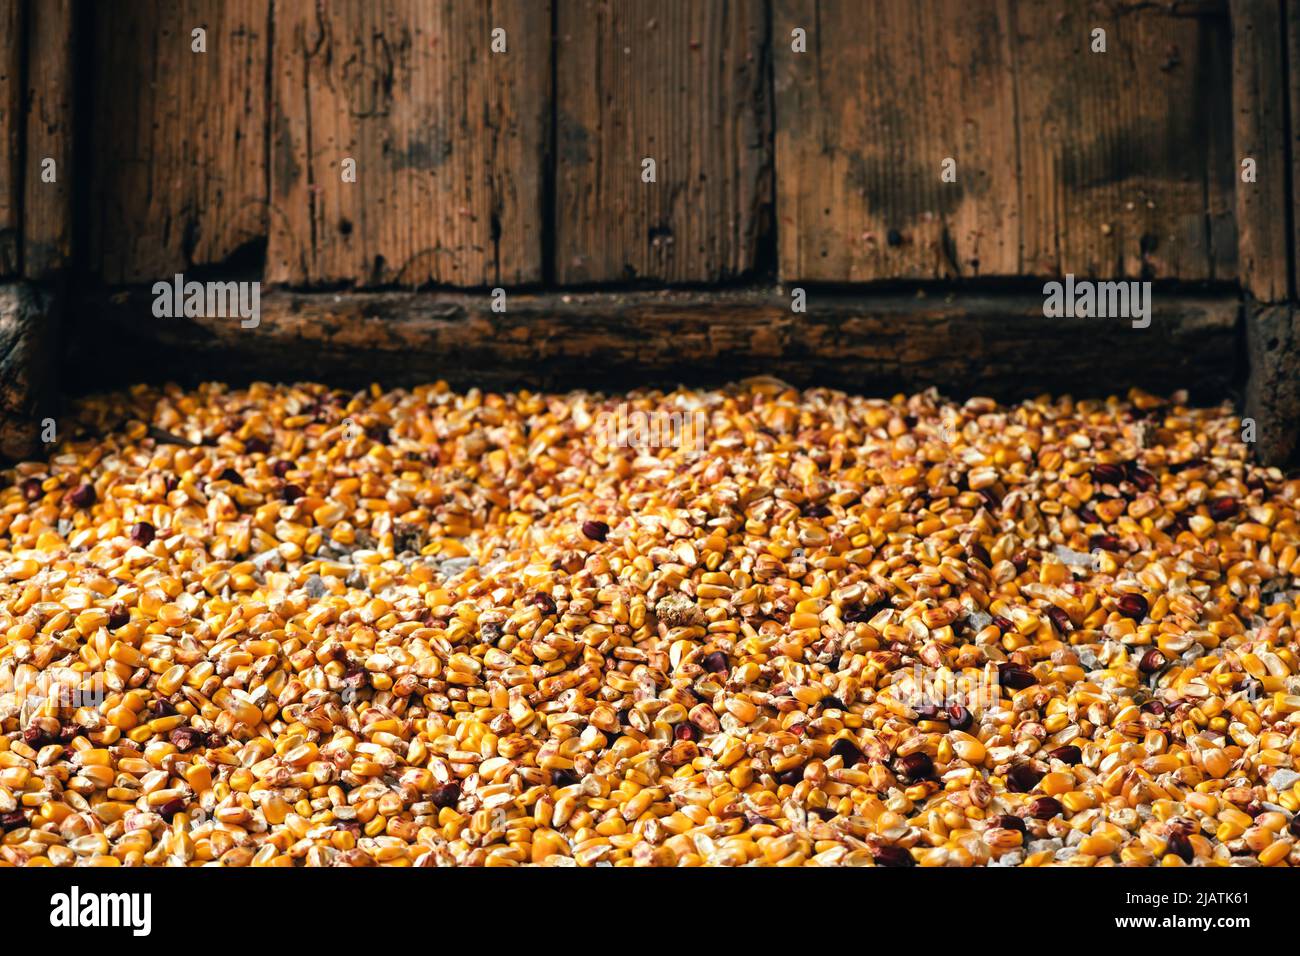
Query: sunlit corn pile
(430,628)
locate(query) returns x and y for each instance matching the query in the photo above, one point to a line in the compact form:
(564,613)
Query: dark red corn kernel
(716,663)
(171,808)
(980,554)
(1060,619)
(118,615)
(1023,777)
(1151,661)
(1068,754)
(291,493)
(1107,474)
(1006,821)
(1132,606)
(1002,624)
(791,778)
(32,490)
(1144,480)
(446,795)
(892,856)
(832,701)
(595,530)
(1221,509)
(848,751)
(256,446)
(544,601)
(916,766)
(1105,542)
(1294,826)
(1154,707)
(12,820)
(82,496)
(232,476)
(36,737)
(564,777)
(1044,808)
(928,712)
(280,467)
(142,533)
(959,718)
(1021,561)
(823,813)
(1180,846)
(1015,676)
(686,731)
(991,501)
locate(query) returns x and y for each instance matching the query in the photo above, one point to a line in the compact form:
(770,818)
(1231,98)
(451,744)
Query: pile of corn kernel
(290,625)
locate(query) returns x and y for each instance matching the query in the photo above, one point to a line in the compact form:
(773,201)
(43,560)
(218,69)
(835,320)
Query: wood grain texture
(27,338)
(1273,388)
(865,119)
(678,81)
(1126,165)
(449,140)
(1108,164)
(11,125)
(179,137)
(875,344)
(1291,13)
(47,206)
(1259,101)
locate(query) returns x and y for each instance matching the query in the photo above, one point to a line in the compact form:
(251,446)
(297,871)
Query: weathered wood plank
(1292,17)
(1125,157)
(179,136)
(864,121)
(448,137)
(881,343)
(1273,388)
(1113,164)
(11,124)
(47,206)
(680,82)
(26,358)
(1259,85)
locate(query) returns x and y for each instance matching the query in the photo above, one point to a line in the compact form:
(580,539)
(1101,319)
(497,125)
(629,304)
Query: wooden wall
(525,168)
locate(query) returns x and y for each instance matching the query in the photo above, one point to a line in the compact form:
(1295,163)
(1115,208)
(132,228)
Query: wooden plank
(47,206)
(1067,161)
(449,140)
(11,125)
(878,343)
(1259,84)
(179,136)
(27,338)
(1126,166)
(864,121)
(1292,18)
(680,82)
(1273,388)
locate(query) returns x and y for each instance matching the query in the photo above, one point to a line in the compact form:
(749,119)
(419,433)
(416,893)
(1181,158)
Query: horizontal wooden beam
(997,344)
